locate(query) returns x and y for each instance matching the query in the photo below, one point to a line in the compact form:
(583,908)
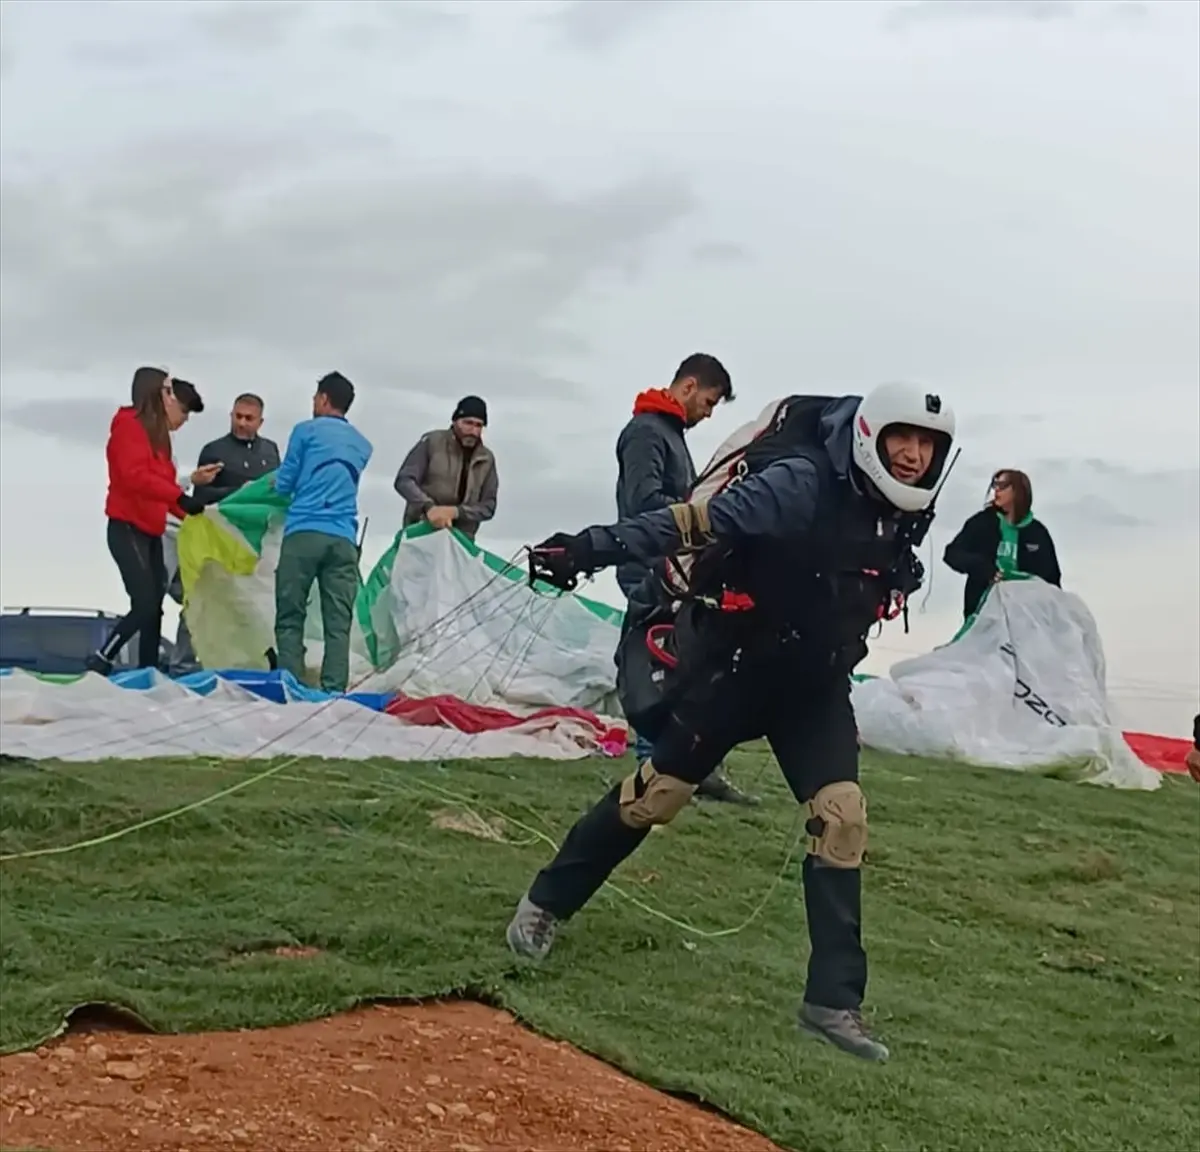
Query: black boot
(99,663)
(716,787)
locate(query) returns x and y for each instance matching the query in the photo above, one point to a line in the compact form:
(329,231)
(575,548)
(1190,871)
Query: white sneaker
(531,931)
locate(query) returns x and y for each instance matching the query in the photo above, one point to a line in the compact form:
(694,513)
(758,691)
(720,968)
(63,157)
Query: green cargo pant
(332,561)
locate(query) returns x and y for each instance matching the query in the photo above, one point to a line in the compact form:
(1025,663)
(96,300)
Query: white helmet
(891,404)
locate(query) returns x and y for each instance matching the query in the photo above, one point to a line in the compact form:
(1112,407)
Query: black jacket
(973,553)
(817,557)
(654,470)
(244,460)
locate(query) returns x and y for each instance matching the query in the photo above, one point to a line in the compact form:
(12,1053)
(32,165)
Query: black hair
(708,372)
(337,390)
(250,398)
(185,392)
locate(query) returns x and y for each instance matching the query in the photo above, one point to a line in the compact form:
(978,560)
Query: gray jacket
(244,460)
(654,470)
(432,473)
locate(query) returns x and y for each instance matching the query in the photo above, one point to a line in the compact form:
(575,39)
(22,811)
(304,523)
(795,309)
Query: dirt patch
(453,1077)
(471,823)
(296,952)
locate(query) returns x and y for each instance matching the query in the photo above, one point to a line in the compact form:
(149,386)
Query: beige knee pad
(649,798)
(837,825)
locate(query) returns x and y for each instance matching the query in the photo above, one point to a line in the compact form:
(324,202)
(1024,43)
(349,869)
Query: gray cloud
(8,56)
(1100,515)
(1130,10)
(721,252)
(414,17)
(303,248)
(598,25)
(395,28)
(73,420)
(249,25)
(990,423)
(902,16)
(120,54)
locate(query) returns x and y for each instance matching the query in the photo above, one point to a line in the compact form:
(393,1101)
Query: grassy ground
(1035,945)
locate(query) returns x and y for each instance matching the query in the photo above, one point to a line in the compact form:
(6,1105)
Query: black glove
(190,505)
(560,559)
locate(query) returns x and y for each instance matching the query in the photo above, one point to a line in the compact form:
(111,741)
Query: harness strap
(692,521)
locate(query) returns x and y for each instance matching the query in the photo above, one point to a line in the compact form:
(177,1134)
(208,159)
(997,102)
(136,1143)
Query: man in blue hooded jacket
(792,565)
(321,471)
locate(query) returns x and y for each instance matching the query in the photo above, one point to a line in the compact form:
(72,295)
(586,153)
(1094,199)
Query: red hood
(659,400)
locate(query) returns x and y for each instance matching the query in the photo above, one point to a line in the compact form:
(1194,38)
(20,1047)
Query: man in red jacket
(142,489)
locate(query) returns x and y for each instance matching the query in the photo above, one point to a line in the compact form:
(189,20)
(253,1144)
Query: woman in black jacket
(1002,541)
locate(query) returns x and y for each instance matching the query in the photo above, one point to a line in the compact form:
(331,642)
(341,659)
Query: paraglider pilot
(813,545)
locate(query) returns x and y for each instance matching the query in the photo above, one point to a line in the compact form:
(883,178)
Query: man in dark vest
(791,567)
(243,453)
(449,477)
(235,459)
(655,470)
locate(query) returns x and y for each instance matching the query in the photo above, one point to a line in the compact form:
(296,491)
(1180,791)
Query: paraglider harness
(702,580)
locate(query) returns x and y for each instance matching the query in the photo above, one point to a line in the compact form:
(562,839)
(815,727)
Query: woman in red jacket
(142,489)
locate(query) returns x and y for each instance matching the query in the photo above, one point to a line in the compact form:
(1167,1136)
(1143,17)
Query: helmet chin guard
(908,404)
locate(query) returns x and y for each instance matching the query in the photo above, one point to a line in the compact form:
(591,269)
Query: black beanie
(470,408)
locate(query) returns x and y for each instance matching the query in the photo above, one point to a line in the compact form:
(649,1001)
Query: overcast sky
(551,204)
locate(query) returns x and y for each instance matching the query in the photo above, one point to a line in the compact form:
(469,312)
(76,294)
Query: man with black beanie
(449,477)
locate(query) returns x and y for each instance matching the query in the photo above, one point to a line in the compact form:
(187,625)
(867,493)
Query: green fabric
(252,508)
(331,561)
(1006,550)
(379,632)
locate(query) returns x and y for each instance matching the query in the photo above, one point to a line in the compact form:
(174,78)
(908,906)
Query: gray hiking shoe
(844,1028)
(531,931)
(716,786)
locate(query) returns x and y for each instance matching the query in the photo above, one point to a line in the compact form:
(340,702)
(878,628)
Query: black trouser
(139,558)
(806,716)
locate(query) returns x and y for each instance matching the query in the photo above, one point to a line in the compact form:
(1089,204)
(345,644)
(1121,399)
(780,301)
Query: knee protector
(648,798)
(837,825)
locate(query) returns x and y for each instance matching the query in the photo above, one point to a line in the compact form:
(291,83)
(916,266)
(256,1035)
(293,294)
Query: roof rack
(29,609)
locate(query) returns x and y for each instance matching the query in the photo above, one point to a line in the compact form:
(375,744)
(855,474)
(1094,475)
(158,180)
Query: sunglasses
(1001,485)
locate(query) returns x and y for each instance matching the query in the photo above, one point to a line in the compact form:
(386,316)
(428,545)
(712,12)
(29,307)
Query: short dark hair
(1022,490)
(185,392)
(708,371)
(337,390)
(249,398)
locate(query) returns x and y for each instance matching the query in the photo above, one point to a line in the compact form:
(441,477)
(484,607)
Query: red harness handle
(656,649)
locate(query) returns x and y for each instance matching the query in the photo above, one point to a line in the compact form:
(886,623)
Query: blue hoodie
(321,470)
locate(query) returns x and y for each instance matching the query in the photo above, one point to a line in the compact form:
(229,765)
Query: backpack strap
(692,521)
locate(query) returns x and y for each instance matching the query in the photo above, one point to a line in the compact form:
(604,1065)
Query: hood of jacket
(837,432)
(660,401)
